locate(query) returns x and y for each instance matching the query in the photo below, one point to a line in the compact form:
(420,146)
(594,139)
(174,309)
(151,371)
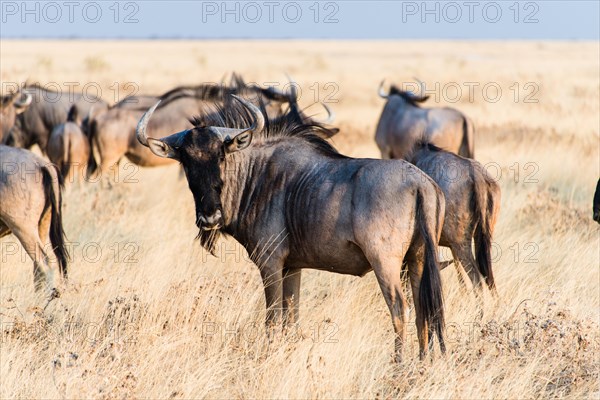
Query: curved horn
(382,94)
(140,130)
(330,114)
(24,103)
(90,112)
(259,119)
(293,90)
(421,85)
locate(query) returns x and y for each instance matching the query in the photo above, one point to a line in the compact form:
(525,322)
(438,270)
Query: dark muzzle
(209,223)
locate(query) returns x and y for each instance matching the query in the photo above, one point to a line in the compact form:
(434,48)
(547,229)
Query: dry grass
(148,314)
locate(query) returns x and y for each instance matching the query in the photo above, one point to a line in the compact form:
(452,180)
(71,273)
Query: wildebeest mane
(288,124)
(239,85)
(209,239)
(37,85)
(422,144)
(208,91)
(410,97)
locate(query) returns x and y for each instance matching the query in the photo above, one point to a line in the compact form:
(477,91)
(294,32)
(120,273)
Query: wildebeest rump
(403,123)
(47,110)
(69,148)
(30,208)
(472,207)
(12,105)
(596,205)
(294,202)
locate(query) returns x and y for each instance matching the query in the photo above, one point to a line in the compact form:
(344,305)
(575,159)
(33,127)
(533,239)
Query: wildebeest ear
(19,110)
(239,142)
(21,104)
(161,149)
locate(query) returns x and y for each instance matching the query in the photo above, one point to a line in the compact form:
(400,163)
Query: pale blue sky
(302,19)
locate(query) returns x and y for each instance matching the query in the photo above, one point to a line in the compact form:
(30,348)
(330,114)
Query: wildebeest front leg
(291,295)
(272,278)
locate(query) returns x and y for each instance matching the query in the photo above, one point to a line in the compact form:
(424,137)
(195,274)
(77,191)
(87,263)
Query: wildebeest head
(410,97)
(201,150)
(10,106)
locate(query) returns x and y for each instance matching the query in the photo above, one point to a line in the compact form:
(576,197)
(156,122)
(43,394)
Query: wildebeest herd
(262,171)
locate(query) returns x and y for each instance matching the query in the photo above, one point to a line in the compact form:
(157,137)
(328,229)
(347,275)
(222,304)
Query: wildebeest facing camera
(328,199)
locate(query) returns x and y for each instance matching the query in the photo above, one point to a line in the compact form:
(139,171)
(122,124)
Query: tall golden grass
(148,314)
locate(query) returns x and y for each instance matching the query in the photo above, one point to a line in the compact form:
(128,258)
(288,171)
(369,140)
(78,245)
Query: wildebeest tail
(53,185)
(66,159)
(92,164)
(430,292)
(467,147)
(73,114)
(485,208)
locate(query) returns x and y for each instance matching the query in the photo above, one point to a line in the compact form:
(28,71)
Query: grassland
(148,314)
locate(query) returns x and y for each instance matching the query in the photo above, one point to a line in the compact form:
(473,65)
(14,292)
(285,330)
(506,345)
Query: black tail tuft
(430,291)
(52,189)
(484,208)
(467,148)
(92,165)
(73,114)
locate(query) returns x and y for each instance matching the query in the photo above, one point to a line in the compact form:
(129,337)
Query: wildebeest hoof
(53,293)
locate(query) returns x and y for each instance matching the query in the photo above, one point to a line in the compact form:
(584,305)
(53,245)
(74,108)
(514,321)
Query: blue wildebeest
(472,208)
(277,181)
(403,123)
(30,208)
(47,110)
(12,105)
(112,134)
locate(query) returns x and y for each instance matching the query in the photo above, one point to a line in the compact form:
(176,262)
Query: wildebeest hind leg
(465,256)
(44,233)
(460,269)
(33,245)
(388,273)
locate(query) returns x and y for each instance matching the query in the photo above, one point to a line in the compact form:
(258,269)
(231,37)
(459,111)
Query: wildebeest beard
(208,239)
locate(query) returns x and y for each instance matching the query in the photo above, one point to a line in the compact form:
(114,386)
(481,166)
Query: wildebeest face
(201,151)
(17,137)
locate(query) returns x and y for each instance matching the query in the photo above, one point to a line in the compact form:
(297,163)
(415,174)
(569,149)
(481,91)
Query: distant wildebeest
(112,134)
(596,206)
(403,123)
(12,105)
(30,208)
(47,110)
(472,207)
(69,148)
(294,202)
